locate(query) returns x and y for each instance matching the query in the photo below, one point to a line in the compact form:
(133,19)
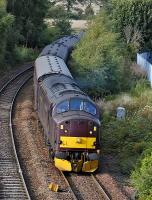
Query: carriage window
(62,107)
(90,108)
(76,104)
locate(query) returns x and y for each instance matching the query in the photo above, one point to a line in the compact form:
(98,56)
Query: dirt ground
(75,24)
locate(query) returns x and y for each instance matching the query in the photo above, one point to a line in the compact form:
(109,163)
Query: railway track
(68,185)
(12,184)
(101,189)
(85,186)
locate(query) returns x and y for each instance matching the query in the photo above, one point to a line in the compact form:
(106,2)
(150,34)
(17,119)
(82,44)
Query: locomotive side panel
(43,109)
(35,91)
(45,115)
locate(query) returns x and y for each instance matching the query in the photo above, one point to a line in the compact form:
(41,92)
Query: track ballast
(12,182)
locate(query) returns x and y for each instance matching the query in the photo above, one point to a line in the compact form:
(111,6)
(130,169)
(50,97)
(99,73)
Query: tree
(135,14)
(63,27)
(99,57)
(89,11)
(56,12)
(29,19)
(6,21)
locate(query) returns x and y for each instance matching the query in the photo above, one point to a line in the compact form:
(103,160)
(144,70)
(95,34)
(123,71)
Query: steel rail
(12,136)
(24,190)
(14,77)
(100,188)
(68,184)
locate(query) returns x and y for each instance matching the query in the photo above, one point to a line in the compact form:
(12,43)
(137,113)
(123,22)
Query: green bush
(62,27)
(23,54)
(99,59)
(89,11)
(56,12)
(142,176)
(130,137)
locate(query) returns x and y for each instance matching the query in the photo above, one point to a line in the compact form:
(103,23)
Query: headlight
(90,132)
(61,127)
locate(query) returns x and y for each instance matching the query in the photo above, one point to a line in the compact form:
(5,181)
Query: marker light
(66,131)
(94,144)
(95,128)
(90,132)
(61,127)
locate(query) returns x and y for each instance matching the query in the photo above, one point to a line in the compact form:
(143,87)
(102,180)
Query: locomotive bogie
(83,164)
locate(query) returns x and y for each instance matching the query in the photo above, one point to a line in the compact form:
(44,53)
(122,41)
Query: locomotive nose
(78,134)
(78,128)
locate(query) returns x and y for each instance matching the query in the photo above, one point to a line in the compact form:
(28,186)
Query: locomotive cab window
(90,108)
(76,104)
(62,107)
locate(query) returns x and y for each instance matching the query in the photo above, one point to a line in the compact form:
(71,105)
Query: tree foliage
(135,14)
(29,19)
(62,27)
(56,12)
(6,21)
(99,57)
(89,11)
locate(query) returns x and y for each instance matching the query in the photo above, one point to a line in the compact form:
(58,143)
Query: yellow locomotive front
(77,136)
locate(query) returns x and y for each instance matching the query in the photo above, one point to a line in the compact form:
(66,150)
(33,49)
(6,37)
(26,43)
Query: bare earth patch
(75,24)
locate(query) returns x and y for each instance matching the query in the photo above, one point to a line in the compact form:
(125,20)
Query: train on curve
(70,119)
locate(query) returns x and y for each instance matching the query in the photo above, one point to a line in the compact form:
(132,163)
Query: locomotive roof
(58,47)
(45,65)
(59,87)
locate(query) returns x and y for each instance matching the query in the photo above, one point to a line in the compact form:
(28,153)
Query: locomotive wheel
(46,140)
(51,154)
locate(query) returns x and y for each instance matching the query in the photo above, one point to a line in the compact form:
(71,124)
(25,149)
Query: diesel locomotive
(70,119)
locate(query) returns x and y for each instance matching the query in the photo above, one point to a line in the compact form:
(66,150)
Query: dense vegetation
(23,30)
(110,46)
(133,19)
(6,21)
(99,57)
(130,140)
(29,16)
(103,63)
